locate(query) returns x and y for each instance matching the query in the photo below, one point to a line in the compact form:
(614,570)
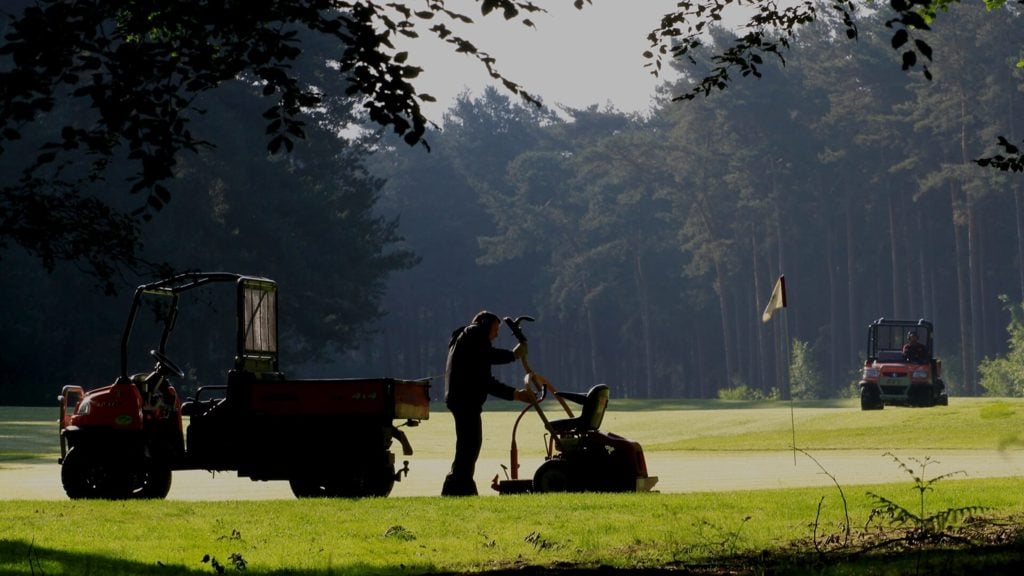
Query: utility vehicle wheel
(870,401)
(382,485)
(553,476)
(941,398)
(365,482)
(156,481)
(919,396)
(354,483)
(85,475)
(307,488)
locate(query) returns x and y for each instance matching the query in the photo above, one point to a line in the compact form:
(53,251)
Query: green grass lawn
(716,425)
(667,425)
(434,534)
(968,423)
(419,535)
(28,434)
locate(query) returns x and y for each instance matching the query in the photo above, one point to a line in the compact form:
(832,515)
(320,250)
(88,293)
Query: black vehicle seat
(193,407)
(594,403)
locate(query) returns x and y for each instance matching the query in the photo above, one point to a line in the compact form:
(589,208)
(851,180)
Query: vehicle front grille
(892,385)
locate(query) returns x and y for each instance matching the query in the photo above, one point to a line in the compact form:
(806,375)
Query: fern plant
(921,524)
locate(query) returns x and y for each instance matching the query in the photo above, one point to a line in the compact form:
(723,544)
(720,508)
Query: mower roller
(580,457)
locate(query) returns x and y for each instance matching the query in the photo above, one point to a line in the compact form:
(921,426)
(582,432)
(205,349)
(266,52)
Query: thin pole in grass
(842,495)
(789,389)
(777,301)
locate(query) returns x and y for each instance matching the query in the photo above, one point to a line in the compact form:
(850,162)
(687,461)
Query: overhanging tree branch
(136,68)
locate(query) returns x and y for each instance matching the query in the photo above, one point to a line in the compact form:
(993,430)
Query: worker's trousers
(468,438)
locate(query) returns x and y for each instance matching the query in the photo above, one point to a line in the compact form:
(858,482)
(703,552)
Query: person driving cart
(467,383)
(914,350)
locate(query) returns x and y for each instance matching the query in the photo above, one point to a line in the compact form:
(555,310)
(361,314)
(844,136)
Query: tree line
(648,246)
(306,219)
(644,245)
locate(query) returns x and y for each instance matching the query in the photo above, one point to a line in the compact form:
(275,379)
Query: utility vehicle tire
(870,401)
(308,488)
(87,475)
(366,482)
(941,398)
(156,481)
(553,476)
(355,483)
(920,396)
(385,482)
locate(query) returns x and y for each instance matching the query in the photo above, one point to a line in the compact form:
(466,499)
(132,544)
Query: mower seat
(591,415)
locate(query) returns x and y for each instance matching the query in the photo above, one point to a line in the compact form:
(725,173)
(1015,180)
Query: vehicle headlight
(871,373)
(919,374)
(83,407)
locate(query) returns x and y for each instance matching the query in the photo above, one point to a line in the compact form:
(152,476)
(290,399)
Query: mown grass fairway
(28,434)
(968,423)
(419,535)
(424,535)
(675,425)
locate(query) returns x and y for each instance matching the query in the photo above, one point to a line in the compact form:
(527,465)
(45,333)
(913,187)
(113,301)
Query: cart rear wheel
(553,476)
(87,475)
(358,483)
(156,480)
(364,482)
(307,488)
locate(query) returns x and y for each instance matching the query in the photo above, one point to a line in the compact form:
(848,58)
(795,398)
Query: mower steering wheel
(165,362)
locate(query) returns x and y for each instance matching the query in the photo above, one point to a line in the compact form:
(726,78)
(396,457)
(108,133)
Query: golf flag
(778,299)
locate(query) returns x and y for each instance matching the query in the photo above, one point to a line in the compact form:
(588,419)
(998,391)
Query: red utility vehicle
(896,375)
(327,437)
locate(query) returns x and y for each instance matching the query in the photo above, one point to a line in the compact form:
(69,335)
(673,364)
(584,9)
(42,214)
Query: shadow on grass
(20,557)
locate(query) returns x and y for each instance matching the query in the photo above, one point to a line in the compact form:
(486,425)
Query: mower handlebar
(513,325)
(538,383)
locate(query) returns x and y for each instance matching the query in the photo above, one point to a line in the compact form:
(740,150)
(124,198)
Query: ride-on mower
(580,457)
(329,437)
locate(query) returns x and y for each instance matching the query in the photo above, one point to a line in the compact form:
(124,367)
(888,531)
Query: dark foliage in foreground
(991,547)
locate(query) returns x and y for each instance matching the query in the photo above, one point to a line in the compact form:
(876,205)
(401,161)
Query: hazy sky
(572,57)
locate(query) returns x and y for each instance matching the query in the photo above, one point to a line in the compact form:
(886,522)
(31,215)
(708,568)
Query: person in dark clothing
(914,350)
(467,383)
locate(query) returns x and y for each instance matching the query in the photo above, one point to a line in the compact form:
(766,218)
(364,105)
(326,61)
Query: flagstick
(788,383)
(777,301)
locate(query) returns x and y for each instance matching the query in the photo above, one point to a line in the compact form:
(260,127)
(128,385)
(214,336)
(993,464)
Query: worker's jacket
(467,377)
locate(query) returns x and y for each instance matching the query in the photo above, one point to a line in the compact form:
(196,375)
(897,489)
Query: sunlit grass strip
(421,535)
(965,424)
(28,434)
(676,425)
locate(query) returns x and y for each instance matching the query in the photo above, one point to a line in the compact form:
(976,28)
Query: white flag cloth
(777,300)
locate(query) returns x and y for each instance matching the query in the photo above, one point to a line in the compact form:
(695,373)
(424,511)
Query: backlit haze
(574,58)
